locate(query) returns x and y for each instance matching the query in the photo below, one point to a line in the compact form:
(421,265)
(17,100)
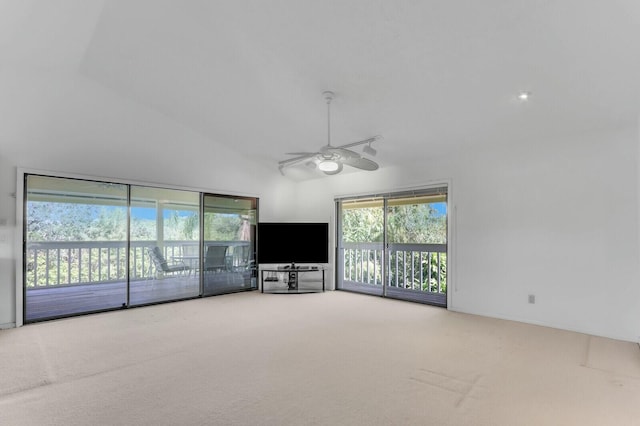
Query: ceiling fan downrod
(328,96)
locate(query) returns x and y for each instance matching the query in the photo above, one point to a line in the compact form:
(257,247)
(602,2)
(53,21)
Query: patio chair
(216,259)
(164,267)
(242,258)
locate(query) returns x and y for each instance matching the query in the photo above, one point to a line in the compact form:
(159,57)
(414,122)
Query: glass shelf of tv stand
(307,279)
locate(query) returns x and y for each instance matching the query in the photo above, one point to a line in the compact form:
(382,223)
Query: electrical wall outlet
(532,298)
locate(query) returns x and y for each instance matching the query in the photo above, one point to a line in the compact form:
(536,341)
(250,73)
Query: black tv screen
(293,242)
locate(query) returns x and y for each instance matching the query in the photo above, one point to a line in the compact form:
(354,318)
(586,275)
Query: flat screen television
(293,242)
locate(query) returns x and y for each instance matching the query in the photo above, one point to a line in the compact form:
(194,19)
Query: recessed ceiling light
(524,96)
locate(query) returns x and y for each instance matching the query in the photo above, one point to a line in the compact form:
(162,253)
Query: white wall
(557,218)
(7,233)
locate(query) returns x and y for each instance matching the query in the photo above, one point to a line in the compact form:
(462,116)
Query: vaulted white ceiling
(431,77)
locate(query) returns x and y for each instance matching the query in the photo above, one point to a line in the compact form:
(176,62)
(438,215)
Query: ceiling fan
(331,159)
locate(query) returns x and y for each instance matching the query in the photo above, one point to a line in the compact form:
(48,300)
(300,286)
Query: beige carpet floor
(332,358)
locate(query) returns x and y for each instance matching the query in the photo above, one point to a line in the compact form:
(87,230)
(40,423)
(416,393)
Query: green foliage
(179,226)
(221,227)
(62,222)
(143,229)
(191,227)
(416,223)
(74,265)
(425,271)
(111,224)
(362,225)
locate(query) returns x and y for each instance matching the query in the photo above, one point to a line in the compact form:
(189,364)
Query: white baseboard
(7,325)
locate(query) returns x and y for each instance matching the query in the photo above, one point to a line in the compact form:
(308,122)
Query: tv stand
(294,267)
(292,279)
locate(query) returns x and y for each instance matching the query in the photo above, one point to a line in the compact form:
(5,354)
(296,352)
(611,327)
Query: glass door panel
(229,244)
(75,254)
(360,246)
(165,245)
(417,248)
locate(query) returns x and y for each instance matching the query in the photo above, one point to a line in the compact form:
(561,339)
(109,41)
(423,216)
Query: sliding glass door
(165,231)
(395,245)
(229,244)
(361,245)
(93,246)
(417,248)
(75,250)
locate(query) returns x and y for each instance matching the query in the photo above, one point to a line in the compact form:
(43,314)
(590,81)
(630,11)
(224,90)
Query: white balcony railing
(64,263)
(419,267)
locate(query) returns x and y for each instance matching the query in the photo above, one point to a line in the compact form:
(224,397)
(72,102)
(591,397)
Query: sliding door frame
(203,244)
(20,238)
(385,196)
(354,285)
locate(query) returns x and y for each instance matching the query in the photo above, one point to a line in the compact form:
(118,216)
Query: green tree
(47,221)
(362,225)
(416,223)
(221,226)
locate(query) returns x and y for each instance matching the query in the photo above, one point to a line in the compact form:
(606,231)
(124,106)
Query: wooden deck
(55,302)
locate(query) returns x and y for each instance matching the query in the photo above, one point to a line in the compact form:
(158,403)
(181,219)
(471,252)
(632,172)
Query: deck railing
(420,267)
(62,263)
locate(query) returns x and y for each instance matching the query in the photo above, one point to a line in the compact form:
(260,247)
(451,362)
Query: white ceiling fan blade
(361,163)
(300,153)
(362,142)
(342,153)
(353,159)
(295,160)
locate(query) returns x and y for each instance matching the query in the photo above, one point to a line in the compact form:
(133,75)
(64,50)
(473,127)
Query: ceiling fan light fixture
(369,150)
(334,172)
(328,166)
